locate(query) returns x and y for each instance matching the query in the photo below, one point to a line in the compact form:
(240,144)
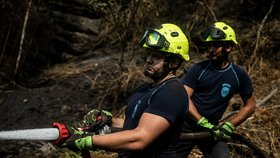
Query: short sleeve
(169,102)
(191,77)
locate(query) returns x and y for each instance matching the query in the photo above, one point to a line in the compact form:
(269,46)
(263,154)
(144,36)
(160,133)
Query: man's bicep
(152,126)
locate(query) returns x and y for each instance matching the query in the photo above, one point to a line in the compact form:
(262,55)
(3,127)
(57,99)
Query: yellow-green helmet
(219,32)
(167,38)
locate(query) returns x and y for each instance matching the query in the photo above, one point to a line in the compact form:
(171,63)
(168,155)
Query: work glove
(101,116)
(214,130)
(77,131)
(81,144)
(226,130)
(96,121)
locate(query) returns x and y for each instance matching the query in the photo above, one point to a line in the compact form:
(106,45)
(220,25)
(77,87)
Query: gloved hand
(226,131)
(81,144)
(94,116)
(214,130)
(77,131)
(96,121)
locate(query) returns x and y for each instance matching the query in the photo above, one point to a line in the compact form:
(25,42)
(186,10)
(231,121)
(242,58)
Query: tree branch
(4,46)
(23,35)
(260,103)
(210,10)
(269,96)
(261,27)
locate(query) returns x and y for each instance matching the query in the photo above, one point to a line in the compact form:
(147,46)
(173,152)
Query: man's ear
(228,48)
(172,65)
(175,63)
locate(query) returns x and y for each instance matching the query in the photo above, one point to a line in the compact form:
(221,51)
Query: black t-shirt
(213,88)
(168,100)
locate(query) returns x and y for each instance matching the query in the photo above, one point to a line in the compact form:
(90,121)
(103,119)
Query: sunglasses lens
(218,34)
(153,38)
(215,33)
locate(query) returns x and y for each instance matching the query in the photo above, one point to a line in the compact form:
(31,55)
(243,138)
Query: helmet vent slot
(174,34)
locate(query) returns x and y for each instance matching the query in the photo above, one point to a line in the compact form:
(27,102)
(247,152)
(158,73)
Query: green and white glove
(81,144)
(102,116)
(214,130)
(226,131)
(95,121)
(77,131)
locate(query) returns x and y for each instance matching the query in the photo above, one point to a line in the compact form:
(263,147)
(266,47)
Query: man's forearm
(128,140)
(245,112)
(193,113)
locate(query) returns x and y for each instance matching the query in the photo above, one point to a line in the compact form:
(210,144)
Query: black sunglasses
(214,32)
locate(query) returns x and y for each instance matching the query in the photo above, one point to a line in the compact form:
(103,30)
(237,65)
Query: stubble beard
(217,61)
(157,75)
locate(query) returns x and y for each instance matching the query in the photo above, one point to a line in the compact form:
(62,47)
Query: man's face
(215,51)
(154,63)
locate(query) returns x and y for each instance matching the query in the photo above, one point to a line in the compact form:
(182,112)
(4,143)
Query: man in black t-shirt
(155,113)
(210,85)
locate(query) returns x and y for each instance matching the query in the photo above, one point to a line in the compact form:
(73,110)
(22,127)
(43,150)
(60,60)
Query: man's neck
(170,75)
(220,64)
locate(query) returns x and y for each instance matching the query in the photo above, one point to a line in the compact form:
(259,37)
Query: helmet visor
(214,33)
(154,39)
